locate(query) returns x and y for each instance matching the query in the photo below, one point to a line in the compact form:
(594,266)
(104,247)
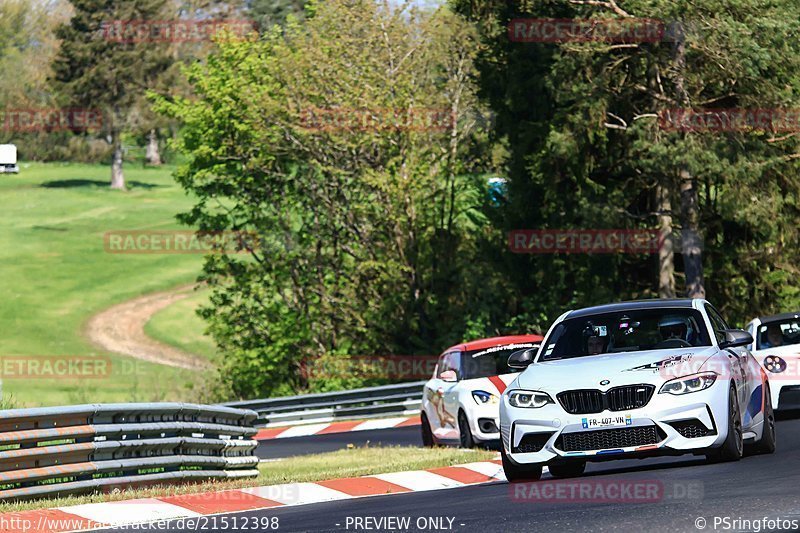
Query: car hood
(624,368)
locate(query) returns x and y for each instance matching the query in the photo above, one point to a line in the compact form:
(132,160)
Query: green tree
(95,71)
(597,157)
(350,145)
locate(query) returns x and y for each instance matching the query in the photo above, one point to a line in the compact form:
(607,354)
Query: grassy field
(56,274)
(343,463)
(180,326)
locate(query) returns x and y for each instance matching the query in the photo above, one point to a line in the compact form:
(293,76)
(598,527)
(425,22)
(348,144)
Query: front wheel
(427,434)
(464,433)
(733,447)
(515,472)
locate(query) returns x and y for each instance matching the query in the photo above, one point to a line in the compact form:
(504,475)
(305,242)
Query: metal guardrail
(84,448)
(372,402)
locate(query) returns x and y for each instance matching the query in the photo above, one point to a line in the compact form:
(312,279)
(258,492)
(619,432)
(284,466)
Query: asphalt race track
(689,494)
(279,448)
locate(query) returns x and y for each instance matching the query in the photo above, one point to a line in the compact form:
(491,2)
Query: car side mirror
(736,337)
(449,376)
(520,359)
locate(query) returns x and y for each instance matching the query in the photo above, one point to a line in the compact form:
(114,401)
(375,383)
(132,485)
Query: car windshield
(629,331)
(491,361)
(778,333)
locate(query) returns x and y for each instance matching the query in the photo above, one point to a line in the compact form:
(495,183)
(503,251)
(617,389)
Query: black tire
(515,472)
(766,444)
(464,433)
(427,435)
(571,469)
(733,447)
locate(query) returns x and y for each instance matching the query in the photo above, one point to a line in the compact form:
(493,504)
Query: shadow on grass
(74,183)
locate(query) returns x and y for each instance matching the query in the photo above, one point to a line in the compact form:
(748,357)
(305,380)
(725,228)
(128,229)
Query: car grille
(692,429)
(532,442)
(588,401)
(606,439)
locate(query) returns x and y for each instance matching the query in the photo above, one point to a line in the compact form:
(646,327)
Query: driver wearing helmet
(595,345)
(676,327)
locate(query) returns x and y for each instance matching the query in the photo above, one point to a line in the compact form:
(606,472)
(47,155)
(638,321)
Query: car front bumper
(666,425)
(484,422)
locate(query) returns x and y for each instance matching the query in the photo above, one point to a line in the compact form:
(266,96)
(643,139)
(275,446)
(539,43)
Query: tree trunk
(691,244)
(152,156)
(117,177)
(666,249)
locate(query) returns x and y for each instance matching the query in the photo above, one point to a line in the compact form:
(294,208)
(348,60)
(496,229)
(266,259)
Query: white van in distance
(8,159)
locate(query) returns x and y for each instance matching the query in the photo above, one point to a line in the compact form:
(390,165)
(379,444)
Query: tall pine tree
(93,70)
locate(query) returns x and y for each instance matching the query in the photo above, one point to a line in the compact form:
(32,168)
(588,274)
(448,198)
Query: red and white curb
(335,427)
(194,506)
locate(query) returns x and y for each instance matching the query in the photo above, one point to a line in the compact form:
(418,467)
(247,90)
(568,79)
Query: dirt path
(120,329)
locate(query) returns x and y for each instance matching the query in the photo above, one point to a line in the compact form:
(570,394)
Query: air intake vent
(532,442)
(692,429)
(607,439)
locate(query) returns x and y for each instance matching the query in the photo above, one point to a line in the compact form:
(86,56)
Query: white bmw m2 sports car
(634,379)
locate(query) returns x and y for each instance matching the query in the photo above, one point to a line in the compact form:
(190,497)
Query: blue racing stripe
(755,405)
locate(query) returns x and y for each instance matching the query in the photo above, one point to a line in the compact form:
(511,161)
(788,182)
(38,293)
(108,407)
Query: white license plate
(612,421)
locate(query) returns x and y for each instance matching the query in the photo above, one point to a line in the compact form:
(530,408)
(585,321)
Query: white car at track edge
(461,401)
(634,379)
(776,346)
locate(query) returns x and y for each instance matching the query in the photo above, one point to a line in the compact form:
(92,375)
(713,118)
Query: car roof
(778,318)
(653,303)
(482,344)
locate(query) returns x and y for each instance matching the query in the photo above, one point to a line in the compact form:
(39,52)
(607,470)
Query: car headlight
(687,384)
(482,397)
(528,398)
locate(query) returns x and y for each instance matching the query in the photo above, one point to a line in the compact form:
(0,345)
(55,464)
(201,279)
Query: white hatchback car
(776,347)
(460,403)
(634,379)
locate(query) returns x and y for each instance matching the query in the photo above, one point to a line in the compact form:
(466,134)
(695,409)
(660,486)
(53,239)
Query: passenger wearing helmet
(676,327)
